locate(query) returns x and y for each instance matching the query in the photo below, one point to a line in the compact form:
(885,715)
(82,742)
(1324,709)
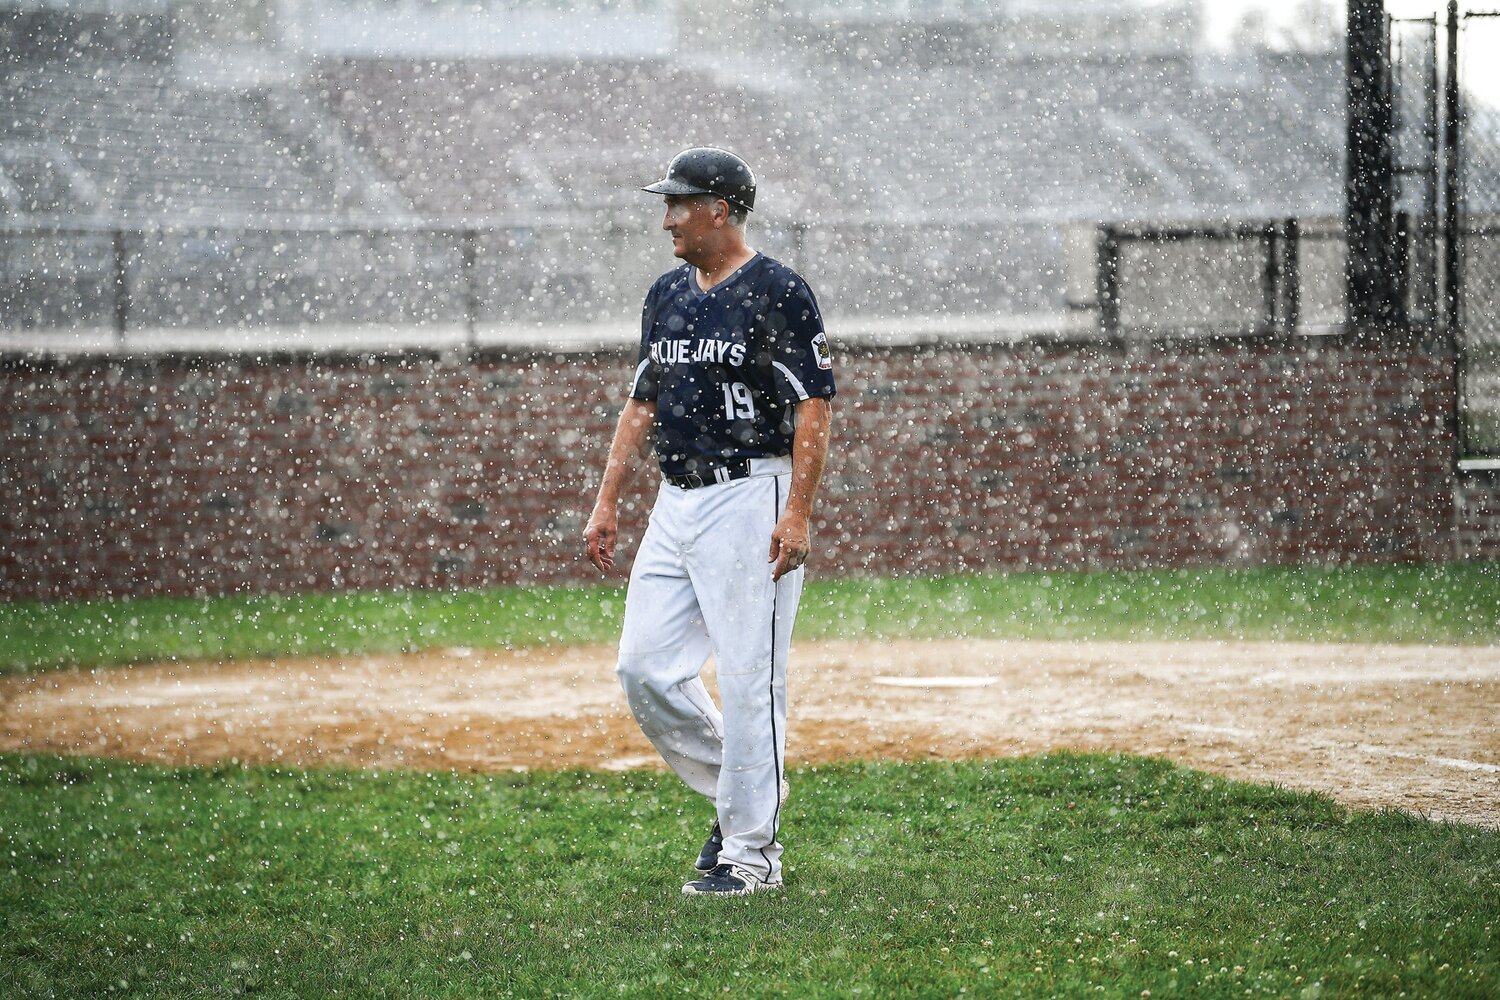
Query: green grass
(1406,604)
(1453,603)
(1063,875)
(100,633)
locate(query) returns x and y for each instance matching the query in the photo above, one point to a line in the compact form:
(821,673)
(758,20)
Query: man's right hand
(629,446)
(600,536)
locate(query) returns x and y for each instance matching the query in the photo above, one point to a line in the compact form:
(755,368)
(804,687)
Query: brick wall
(199,476)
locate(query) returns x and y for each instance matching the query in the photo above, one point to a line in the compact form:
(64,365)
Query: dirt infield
(1415,727)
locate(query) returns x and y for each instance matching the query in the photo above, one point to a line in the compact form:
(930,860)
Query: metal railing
(1281,276)
(1243,278)
(1235,279)
(1471,187)
(128,286)
(133,281)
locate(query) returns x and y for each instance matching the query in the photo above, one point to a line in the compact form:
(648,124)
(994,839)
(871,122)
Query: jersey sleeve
(643,380)
(801,361)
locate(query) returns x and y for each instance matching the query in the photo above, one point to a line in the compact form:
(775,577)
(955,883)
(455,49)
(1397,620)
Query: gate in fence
(1470,238)
(1287,276)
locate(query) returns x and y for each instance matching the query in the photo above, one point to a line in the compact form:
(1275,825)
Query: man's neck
(722,265)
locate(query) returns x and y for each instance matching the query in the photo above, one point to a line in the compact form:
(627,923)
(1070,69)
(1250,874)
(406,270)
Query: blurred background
(181,179)
(291,164)
(360,168)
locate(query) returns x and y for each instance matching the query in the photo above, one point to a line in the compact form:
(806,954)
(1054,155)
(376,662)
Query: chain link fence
(202,288)
(144,289)
(1279,277)
(1479,233)
(1416,163)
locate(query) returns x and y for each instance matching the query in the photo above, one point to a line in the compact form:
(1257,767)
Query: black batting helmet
(706,170)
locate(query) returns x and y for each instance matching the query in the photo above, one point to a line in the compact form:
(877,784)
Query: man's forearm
(628,448)
(809,454)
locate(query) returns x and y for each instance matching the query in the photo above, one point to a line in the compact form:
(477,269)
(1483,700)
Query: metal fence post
(1270,278)
(1368,169)
(1452,223)
(1291,277)
(1109,282)
(1402,251)
(122,287)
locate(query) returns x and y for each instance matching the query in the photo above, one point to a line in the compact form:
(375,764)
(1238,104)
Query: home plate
(937,682)
(630,763)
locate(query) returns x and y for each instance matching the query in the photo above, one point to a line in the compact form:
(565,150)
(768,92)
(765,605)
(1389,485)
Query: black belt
(731,471)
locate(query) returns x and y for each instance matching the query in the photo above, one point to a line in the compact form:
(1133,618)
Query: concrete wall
(178,475)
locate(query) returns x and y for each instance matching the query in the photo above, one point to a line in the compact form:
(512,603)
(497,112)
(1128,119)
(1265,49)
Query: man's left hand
(789,545)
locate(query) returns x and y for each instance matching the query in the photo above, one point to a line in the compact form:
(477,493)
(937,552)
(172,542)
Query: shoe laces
(729,870)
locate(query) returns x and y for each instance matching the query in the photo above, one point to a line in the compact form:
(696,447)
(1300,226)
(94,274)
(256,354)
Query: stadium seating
(519,140)
(917,189)
(135,147)
(900,153)
(1072,140)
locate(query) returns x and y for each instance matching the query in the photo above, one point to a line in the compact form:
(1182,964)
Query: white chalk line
(936,682)
(1454,762)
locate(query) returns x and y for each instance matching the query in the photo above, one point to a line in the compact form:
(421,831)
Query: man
(732,388)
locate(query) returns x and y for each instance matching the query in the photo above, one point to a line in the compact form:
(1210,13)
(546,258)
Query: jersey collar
(698,292)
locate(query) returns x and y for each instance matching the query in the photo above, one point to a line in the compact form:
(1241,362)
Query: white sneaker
(728,880)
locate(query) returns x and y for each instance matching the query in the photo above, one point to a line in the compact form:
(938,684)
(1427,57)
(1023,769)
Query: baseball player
(732,389)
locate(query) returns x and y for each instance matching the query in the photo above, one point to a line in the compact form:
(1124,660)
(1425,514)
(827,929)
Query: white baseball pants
(701,585)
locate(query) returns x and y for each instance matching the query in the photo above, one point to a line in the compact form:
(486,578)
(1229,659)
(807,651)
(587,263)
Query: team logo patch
(820,348)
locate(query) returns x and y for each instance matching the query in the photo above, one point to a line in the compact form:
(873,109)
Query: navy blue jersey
(725,367)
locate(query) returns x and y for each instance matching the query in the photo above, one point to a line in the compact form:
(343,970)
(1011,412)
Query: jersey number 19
(738,403)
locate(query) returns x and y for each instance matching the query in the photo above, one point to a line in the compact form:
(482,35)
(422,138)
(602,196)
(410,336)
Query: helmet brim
(672,186)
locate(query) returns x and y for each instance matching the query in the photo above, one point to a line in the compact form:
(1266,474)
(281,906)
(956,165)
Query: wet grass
(36,635)
(1444,604)
(1062,875)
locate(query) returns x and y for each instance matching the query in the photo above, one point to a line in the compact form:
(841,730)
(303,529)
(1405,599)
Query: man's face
(692,221)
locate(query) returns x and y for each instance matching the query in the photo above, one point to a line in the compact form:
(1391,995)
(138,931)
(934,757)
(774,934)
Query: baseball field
(1271,782)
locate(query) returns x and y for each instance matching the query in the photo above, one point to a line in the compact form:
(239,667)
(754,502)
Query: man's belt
(725,473)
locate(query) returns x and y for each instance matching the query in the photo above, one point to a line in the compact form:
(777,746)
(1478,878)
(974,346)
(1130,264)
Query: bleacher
(1076,140)
(477,141)
(906,188)
(481,140)
(1057,140)
(124,143)
(884,159)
